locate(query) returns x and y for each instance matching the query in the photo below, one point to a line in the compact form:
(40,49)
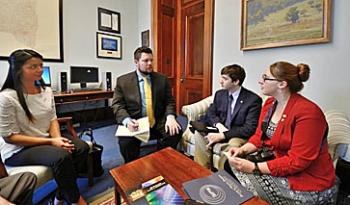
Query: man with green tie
(145,93)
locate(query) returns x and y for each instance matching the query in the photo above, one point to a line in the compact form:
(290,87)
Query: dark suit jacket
(127,97)
(245,114)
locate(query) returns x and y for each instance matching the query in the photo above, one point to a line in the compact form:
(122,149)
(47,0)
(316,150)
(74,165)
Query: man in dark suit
(235,112)
(145,93)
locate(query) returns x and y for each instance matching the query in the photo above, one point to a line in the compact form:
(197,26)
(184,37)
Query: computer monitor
(46,75)
(85,76)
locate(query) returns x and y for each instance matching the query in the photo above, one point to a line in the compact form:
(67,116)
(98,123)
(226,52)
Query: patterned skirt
(276,190)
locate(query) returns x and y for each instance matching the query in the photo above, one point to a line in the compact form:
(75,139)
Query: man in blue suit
(235,112)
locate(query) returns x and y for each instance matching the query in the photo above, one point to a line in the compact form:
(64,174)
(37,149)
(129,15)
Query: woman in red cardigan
(295,130)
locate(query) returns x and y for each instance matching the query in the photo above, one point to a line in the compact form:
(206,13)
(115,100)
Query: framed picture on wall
(33,25)
(145,38)
(266,24)
(108,20)
(108,46)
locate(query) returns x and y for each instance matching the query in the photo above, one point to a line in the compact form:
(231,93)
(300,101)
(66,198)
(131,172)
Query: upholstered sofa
(339,132)
(193,112)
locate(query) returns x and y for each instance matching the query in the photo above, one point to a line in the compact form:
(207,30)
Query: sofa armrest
(195,110)
(339,131)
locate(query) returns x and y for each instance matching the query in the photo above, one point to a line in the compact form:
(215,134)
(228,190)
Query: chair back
(3,172)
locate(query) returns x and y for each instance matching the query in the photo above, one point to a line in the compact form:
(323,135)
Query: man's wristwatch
(256,169)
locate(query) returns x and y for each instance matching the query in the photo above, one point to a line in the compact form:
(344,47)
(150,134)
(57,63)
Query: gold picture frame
(268,24)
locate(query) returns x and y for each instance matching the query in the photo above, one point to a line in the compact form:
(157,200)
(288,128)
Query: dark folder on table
(219,188)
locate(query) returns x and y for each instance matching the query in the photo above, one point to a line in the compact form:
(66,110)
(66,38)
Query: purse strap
(268,116)
(324,140)
(88,132)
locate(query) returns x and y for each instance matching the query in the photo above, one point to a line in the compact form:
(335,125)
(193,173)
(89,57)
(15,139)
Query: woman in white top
(29,129)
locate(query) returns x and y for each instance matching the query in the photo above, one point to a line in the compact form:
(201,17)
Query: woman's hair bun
(303,72)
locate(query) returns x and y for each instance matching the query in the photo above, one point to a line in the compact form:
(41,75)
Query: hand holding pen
(133,125)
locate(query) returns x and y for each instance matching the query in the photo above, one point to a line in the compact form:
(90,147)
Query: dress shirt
(235,95)
(143,96)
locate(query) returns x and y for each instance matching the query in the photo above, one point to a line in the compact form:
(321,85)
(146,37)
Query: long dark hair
(14,77)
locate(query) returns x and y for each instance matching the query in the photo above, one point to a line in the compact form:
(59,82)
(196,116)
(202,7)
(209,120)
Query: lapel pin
(241,101)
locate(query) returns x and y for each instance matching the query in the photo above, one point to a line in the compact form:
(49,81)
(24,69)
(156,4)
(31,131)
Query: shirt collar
(140,76)
(236,93)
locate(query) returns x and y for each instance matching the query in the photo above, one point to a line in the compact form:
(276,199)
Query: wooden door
(183,46)
(195,56)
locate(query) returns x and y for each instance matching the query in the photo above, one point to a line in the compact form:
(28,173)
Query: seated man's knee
(198,138)
(127,142)
(236,142)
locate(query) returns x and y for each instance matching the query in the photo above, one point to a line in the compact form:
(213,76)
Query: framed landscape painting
(276,23)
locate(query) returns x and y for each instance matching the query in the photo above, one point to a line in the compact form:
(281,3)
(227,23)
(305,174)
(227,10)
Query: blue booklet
(156,192)
(219,188)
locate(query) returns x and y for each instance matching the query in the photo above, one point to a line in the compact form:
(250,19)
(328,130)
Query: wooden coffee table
(175,167)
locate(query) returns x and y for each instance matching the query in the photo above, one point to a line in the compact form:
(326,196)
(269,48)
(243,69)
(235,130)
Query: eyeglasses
(264,77)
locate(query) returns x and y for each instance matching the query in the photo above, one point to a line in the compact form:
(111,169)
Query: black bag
(202,127)
(96,154)
(262,155)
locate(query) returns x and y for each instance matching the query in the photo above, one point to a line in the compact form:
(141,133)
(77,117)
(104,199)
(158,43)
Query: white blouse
(13,119)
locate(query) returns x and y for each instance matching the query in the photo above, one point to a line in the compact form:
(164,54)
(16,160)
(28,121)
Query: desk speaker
(107,80)
(63,82)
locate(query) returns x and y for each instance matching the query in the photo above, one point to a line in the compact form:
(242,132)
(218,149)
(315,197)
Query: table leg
(117,197)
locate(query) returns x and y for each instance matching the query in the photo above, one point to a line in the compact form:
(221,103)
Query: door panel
(192,35)
(194,48)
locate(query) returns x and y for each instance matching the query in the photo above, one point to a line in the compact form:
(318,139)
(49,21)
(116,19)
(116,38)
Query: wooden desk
(62,100)
(82,96)
(175,167)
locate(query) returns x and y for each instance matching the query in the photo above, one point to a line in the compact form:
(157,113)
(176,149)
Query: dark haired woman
(295,129)
(29,129)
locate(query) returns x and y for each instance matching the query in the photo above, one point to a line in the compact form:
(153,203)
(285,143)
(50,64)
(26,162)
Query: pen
(135,124)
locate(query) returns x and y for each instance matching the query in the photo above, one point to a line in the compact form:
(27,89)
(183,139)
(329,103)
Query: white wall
(79,36)
(328,85)
(144,11)
(329,82)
